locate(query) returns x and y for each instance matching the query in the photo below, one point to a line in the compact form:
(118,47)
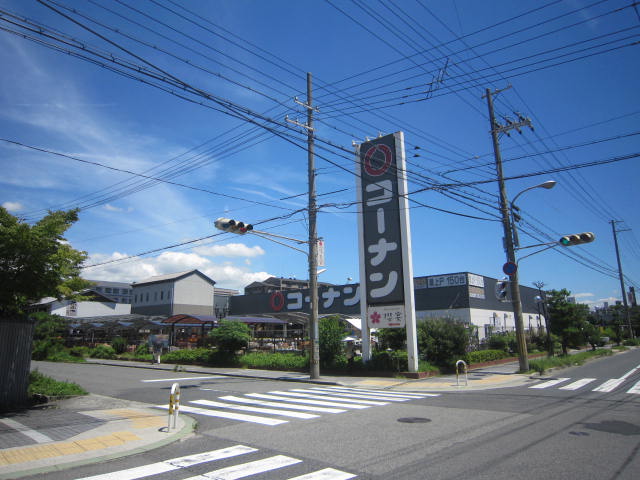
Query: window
(108,290)
(162,295)
(135,298)
(147,297)
(155,296)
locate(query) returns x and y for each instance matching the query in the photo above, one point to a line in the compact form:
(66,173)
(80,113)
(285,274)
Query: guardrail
(466,369)
(174,405)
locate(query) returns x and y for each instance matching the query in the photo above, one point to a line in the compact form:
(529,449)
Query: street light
(509,231)
(515,217)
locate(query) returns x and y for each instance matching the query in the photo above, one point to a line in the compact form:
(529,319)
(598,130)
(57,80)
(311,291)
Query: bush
(103,351)
(393,338)
(331,333)
(40,384)
(188,356)
(442,342)
(230,336)
(274,361)
(631,342)
(482,356)
(142,350)
(119,345)
(388,361)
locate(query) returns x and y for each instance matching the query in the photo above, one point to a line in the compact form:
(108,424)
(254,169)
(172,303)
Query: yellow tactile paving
(139,419)
(59,449)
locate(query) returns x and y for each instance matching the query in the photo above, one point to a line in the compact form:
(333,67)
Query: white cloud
(230,250)
(112,208)
(225,275)
(13,206)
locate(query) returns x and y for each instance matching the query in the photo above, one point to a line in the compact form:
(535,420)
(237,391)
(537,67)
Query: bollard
(174,405)
(466,378)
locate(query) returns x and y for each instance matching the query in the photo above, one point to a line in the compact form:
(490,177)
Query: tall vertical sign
(386,272)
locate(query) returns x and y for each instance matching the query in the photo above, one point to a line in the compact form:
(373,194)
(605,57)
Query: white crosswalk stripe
(285,413)
(172,464)
(297,403)
(228,415)
(550,383)
(605,387)
(578,384)
(231,472)
(291,406)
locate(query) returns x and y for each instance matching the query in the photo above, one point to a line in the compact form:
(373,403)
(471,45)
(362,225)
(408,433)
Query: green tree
(36,261)
(393,338)
(330,333)
(567,319)
(442,341)
(230,336)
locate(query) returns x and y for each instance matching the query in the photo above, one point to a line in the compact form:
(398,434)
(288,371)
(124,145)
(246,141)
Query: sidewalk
(93,428)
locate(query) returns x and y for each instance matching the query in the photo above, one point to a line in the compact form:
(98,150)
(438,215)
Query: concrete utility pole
(496,129)
(313,241)
(621,277)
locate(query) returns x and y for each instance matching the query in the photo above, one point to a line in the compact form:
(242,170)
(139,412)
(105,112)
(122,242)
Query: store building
(466,297)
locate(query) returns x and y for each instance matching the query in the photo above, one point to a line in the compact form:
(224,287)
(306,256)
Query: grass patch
(274,361)
(40,384)
(543,364)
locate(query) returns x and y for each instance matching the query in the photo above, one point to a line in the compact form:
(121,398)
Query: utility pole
(545,312)
(621,277)
(314,335)
(496,129)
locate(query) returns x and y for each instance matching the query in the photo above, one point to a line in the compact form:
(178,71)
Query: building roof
(173,277)
(105,283)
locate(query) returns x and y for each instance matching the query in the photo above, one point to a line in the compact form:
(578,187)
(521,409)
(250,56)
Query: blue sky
(378,67)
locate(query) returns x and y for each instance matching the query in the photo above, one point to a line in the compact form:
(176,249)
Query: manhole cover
(414,420)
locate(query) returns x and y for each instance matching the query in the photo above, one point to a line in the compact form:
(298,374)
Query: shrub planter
(502,361)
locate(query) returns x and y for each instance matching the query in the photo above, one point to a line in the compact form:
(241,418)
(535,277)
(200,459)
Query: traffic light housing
(232,226)
(502,289)
(577,239)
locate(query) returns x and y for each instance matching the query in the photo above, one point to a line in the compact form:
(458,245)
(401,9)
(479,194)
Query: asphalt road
(563,429)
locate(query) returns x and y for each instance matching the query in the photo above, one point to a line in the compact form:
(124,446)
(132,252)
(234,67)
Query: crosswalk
(567,383)
(230,471)
(280,406)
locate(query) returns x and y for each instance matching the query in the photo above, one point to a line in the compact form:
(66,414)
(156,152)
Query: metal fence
(16,337)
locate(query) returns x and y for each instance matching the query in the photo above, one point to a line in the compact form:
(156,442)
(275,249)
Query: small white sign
(386,316)
(320,252)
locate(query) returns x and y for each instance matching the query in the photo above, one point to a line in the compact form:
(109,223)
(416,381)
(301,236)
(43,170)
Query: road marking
(609,385)
(173,464)
(383,392)
(228,415)
(180,379)
(246,469)
(615,382)
(550,383)
(304,394)
(356,394)
(635,389)
(308,408)
(23,429)
(578,384)
(325,474)
(286,413)
(305,401)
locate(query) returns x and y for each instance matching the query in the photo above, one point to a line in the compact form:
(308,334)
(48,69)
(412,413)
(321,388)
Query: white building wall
(498,321)
(67,308)
(193,290)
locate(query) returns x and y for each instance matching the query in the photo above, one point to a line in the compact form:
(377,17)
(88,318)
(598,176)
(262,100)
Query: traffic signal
(577,239)
(502,289)
(232,226)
